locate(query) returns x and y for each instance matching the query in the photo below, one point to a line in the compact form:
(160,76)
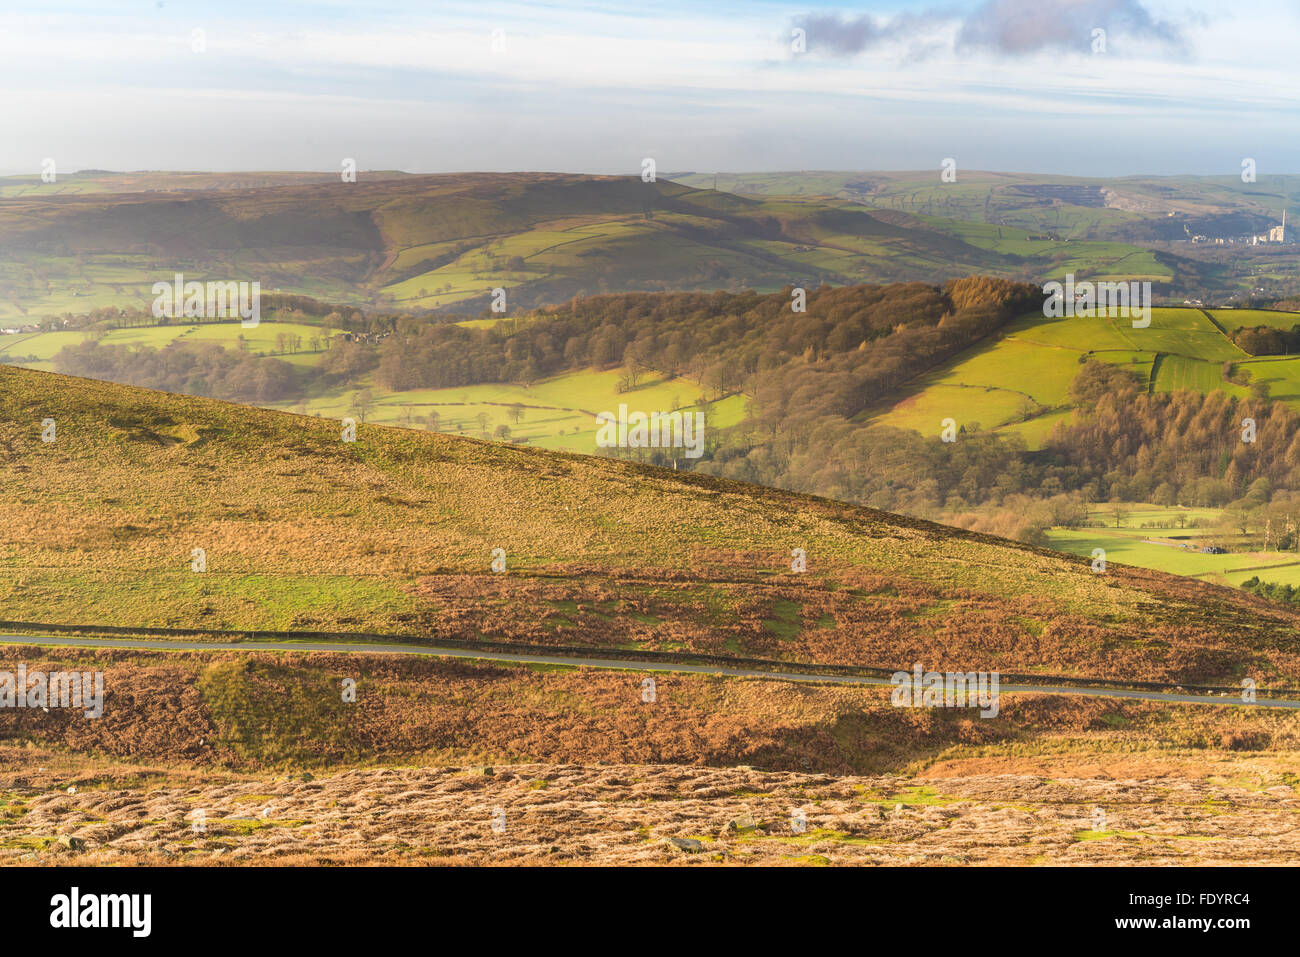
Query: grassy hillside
(396,532)
(1019,381)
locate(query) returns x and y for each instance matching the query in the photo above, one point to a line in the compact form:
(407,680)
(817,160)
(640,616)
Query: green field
(1233,319)
(257,340)
(1175,550)
(1019,381)
(1173,373)
(557,413)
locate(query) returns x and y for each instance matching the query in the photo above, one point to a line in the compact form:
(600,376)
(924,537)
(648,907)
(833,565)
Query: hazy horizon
(1181,88)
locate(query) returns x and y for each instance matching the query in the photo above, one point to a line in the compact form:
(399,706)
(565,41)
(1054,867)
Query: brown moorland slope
(248,758)
(396,533)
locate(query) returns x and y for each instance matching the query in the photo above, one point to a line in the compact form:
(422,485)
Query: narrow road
(614,664)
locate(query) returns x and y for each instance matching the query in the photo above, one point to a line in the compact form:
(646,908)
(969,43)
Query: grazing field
(1019,381)
(1176,549)
(1173,373)
(558,412)
(262,339)
(1280,375)
(555,413)
(1233,319)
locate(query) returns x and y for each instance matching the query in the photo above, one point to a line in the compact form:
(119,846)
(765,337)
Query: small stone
(72,843)
(743,822)
(688,845)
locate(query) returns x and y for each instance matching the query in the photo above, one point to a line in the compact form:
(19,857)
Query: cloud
(1004,27)
(836,35)
(841,36)
(1019,27)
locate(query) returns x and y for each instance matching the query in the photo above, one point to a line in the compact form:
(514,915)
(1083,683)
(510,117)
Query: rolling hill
(1122,227)
(251,755)
(1124,209)
(443,242)
(396,533)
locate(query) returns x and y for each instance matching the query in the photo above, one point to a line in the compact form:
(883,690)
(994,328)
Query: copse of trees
(1131,443)
(204,369)
(728,341)
(1267,341)
(1272,590)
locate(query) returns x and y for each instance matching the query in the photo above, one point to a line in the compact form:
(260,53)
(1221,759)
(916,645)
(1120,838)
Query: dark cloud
(1007,27)
(841,36)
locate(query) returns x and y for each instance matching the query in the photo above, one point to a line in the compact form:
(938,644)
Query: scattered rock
(687,845)
(739,824)
(74,844)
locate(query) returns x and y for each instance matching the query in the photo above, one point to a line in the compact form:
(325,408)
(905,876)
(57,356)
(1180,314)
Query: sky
(595,87)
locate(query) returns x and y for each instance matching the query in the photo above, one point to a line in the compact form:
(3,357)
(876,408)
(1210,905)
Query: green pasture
(1161,548)
(1020,381)
(557,413)
(257,340)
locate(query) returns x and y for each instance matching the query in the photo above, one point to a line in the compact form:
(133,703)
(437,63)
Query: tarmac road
(164,644)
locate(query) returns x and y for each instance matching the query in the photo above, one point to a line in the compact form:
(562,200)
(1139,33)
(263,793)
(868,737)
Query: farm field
(1019,381)
(557,413)
(1161,548)
(1232,319)
(257,340)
